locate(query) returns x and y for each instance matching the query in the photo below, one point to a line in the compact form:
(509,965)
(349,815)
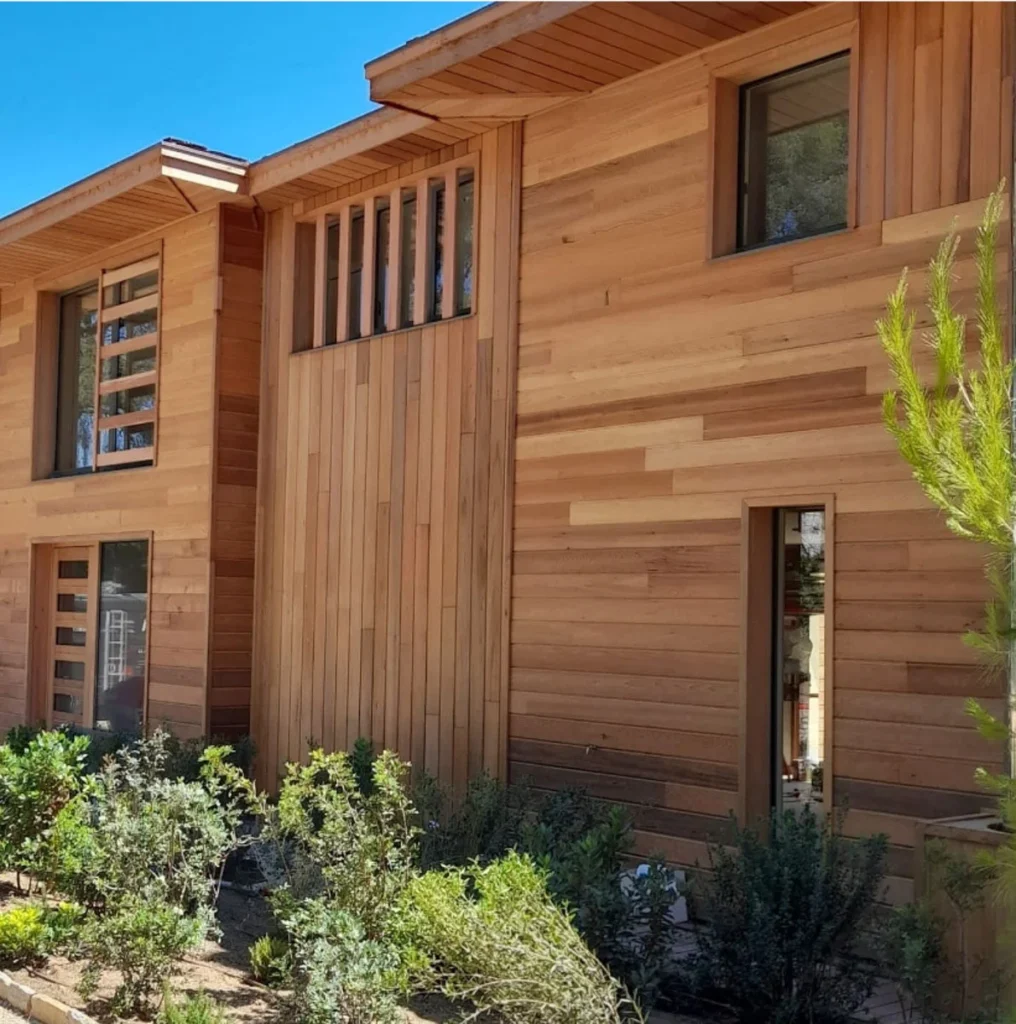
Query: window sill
(89,473)
(796,245)
(384,334)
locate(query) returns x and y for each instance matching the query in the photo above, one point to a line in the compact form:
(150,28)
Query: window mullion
(424,215)
(367,271)
(320,279)
(448,270)
(392,302)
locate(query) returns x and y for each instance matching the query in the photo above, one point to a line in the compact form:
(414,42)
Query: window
(386,260)
(794,136)
(107,361)
(798,726)
(95,663)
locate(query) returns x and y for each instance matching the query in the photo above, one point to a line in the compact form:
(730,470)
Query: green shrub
(493,936)
(361,763)
(142,938)
(340,974)
(907,941)
(19,736)
(271,961)
(35,784)
(198,1008)
(356,850)
(23,935)
(785,918)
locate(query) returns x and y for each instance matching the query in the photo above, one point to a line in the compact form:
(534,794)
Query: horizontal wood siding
(170,499)
(382,548)
(659,390)
(234,493)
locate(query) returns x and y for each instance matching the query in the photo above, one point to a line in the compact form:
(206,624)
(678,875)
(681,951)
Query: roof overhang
(146,191)
(511,60)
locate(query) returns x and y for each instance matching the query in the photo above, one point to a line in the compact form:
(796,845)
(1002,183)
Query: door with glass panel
(96,625)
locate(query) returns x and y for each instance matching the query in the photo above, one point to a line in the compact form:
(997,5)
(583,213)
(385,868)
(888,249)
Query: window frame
(49,296)
(724,146)
(368,201)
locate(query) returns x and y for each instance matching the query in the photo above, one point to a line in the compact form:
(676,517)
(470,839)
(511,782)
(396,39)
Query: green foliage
(342,976)
(19,736)
(198,1008)
(141,937)
(355,849)
(907,943)
(361,761)
(271,961)
(23,935)
(785,918)
(37,779)
(493,936)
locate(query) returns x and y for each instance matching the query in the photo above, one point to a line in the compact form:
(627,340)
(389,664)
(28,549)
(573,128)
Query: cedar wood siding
(658,390)
(204,404)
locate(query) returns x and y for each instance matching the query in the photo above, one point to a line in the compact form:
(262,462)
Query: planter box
(978,951)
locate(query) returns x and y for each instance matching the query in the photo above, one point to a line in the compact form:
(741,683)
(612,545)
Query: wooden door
(70,643)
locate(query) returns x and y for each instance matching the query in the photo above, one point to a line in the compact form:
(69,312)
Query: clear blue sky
(83,85)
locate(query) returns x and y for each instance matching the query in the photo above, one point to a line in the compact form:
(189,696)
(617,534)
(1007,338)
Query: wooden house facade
(531,423)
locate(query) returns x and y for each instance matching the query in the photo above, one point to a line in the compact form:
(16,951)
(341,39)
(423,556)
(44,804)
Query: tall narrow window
(122,636)
(304,273)
(407,259)
(799,628)
(437,249)
(331,280)
(464,243)
(793,153)
(355,270)
(75,407)
(382,223)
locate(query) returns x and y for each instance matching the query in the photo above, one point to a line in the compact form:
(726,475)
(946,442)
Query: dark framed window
(75,403)
(355,270)
(793,153)
(382,225)
(436,245)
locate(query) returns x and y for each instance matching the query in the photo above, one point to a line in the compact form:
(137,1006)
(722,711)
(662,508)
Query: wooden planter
(977,948)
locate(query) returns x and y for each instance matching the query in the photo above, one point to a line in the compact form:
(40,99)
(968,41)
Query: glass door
(71,639)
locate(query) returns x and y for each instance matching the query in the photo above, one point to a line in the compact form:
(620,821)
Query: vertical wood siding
(382,507)
(170,499)
(658,390)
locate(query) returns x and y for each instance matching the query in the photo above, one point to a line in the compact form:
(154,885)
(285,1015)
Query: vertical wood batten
(320,279)
(424,213)
(367,268)
(392,303)
(449,269)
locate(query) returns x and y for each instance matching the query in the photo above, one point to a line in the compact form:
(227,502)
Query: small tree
(958,437)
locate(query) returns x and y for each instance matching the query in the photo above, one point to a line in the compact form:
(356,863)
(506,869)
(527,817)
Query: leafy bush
(907,942)
(342,976)
(354,849)
(785,918)
(142,938)
(23,935)
(493,936)
(199,1008)
(271,961)
(37,779)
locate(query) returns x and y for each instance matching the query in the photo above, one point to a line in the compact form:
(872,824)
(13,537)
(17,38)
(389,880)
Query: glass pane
(131,400)
(75,410)
(332,280)
(67,704)
(355,271)
(141,361)
(69,670)
(437,249)
(71,603)
(800,654)
(122,636)
(70,636)
(77,569)
(132,288)
(407,259)
(124,439)
(464,244)
(794,153)
(136,325)
(382,223)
